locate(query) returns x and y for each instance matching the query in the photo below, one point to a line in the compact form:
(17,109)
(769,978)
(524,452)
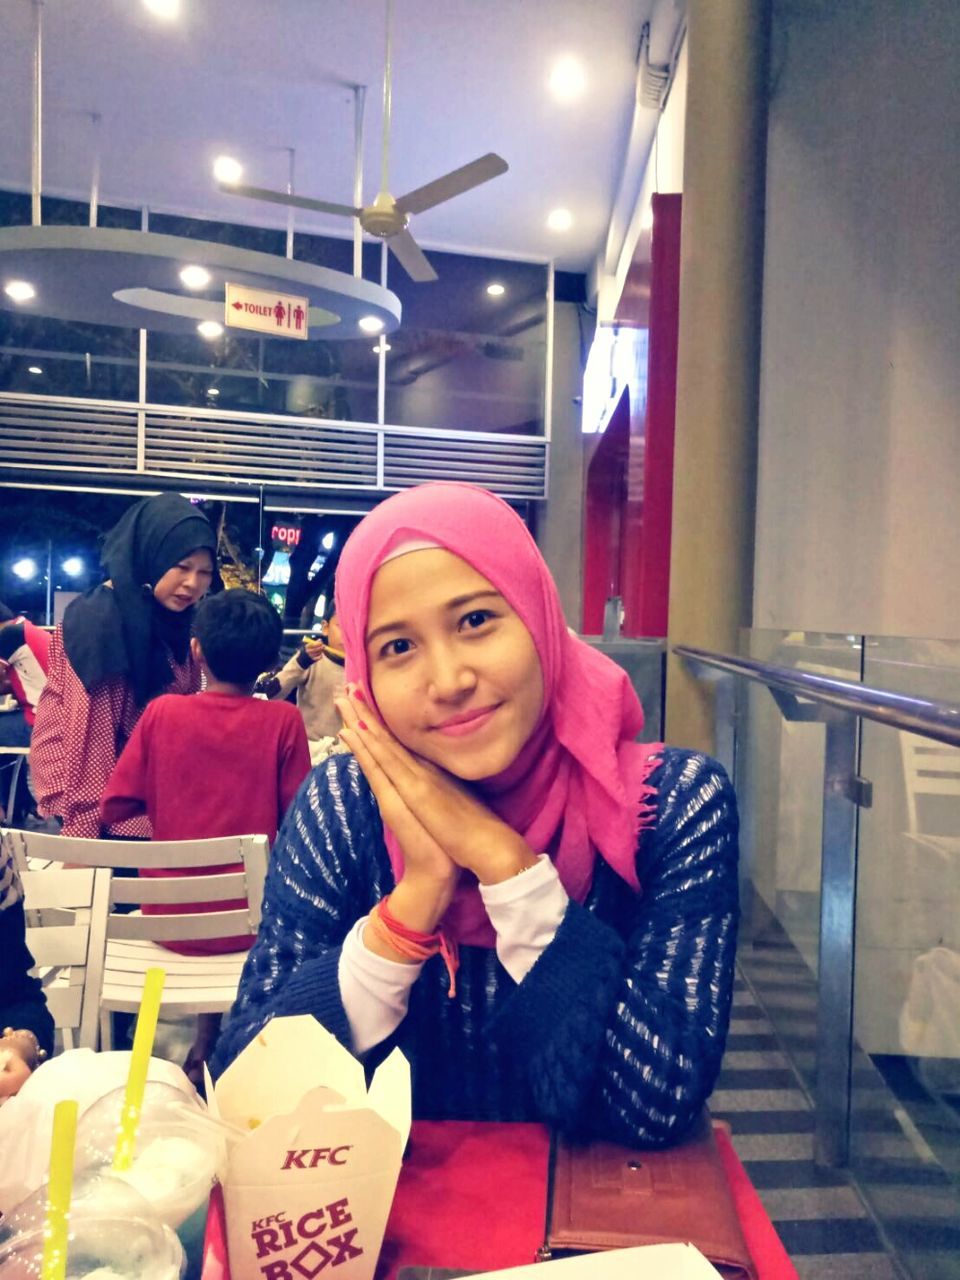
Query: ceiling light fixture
(25,568)
(370,324)
(381,346)
(209,329)
(568,79)
(34,368)
(560,220)
(195,277)
(213,391)
(167,9)
(227,169)
(496,290)
(19,290)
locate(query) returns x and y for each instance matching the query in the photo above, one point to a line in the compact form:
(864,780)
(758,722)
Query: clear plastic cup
(180,1152)
(101,1249)
(96,1193)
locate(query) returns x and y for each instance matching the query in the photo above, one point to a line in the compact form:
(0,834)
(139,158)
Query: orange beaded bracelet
(412,944)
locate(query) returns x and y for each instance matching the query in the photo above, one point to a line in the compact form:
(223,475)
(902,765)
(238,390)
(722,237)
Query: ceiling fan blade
(453,184)
(411,257)
(281,197)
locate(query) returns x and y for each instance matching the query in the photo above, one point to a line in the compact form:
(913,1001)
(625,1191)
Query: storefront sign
(285,535)
(279,314)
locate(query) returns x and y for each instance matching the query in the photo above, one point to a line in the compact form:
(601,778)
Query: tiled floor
(827,1226)
(818,1215)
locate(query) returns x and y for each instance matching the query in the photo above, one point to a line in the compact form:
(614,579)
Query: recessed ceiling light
(213,391)
(496,290)
(381,346)
(560,220)
(34,368)
(226,169)
(209,329)
(567,79)
(168,9)
(19,290)
(195,277)
(370,324)
(25,568)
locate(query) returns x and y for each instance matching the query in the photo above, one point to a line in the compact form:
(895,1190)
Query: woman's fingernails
(358,694)
(361,725)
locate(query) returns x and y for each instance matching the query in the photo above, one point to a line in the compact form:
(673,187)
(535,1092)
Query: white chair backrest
(31,847)
(929,769)
(66,912)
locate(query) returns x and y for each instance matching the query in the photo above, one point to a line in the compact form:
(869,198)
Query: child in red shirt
(217,763)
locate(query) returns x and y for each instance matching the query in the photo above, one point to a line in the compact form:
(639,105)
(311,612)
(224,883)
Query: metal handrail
(937,720)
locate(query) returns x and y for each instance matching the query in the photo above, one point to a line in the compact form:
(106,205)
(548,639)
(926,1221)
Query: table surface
(472,1197)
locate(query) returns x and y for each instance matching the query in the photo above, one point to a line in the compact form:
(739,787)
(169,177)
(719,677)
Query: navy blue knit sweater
(618,1029)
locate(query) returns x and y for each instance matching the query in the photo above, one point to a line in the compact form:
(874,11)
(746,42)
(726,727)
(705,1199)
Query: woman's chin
(467,762)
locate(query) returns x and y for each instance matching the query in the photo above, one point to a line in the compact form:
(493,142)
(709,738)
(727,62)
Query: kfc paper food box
(309,1189)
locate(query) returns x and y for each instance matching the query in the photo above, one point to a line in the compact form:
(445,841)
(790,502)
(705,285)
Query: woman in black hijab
(120,645)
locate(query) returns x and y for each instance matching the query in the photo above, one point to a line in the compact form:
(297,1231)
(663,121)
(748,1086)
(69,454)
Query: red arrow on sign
(238,306)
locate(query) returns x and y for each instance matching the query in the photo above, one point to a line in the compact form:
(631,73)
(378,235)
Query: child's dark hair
(240,634)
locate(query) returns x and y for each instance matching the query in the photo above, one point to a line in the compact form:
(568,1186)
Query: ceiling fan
(387,217)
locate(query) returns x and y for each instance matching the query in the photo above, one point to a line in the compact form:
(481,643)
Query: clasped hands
(440,826)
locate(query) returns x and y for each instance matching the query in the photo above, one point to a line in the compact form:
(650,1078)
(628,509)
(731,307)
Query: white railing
(73,436)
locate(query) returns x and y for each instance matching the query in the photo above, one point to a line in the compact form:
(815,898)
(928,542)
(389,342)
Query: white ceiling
(252,77)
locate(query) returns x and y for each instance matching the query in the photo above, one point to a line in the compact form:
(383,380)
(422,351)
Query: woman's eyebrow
(457,602)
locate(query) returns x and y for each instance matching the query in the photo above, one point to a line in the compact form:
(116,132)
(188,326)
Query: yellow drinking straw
(59,1190)
(139,1062)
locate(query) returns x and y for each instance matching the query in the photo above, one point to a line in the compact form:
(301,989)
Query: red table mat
(472,1196)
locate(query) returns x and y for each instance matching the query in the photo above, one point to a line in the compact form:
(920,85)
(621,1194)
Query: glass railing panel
(906,1081)
(780,788)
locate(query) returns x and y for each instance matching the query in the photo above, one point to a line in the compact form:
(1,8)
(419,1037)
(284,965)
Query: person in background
(26,1027)
(119,646)
(220,764)
(540,910)
(316,672)
(23,671)
(23,664)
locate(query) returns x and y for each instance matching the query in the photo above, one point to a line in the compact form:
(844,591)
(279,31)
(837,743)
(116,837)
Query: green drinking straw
(59,1190)
(139,1062)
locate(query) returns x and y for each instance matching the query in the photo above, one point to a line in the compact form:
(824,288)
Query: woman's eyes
(475,618)
(395,648)
(472,621)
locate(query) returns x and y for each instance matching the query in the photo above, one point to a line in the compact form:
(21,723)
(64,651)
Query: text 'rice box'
(308,1191)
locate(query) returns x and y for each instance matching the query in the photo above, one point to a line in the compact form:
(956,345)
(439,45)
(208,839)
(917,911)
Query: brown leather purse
(604,1196)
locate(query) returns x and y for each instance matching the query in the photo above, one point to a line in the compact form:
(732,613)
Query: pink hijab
(579,785)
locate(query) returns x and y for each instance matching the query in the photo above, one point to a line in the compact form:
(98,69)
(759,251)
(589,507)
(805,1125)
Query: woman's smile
(467,721)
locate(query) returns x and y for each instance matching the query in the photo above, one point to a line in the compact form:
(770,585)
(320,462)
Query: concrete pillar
(721,260)
(560,526)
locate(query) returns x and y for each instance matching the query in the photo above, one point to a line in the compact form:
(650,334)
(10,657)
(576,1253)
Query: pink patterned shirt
(77,738)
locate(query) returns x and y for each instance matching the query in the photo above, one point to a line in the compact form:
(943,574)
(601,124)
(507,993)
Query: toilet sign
(279,314)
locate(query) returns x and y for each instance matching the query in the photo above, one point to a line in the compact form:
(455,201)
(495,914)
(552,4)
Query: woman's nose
(449,676)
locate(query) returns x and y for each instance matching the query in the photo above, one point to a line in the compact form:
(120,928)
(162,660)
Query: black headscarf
(122,630)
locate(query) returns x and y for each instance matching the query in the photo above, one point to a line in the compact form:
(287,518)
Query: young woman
(497,803)
(119,646)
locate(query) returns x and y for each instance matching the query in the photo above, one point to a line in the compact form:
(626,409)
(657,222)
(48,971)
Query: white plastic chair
(930,769)
(194,984)
(66,914)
